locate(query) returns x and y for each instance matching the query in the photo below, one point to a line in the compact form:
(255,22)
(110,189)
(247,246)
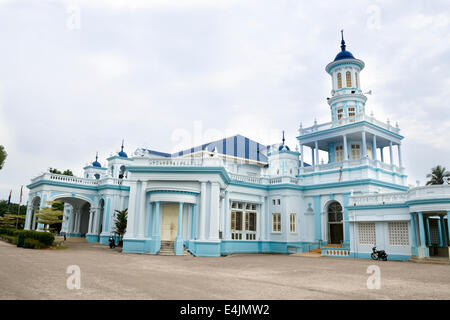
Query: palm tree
(120,224)
(438,175)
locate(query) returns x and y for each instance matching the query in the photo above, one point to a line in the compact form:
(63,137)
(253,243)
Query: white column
(312,157)
(399,155)
(227,225)
(381,154)
(78,220)
(222,216)
(391,154)
(364,145)
(374,147)
(316,146)
(97,221)
(214,212)
(301,156)
(91,221)
(345,147)
(202,211)
(131,210)
(262,219)
(142,210)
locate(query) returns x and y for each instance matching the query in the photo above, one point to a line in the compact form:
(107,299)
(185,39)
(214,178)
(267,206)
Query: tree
(10,220)
(53,170)
(3,156)
(120,224)
(68,172)
(13,208)
(438,175)
(50,217)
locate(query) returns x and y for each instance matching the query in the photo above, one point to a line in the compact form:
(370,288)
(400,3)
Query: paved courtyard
(109,274)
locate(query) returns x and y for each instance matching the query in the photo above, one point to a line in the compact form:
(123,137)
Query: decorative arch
(72,195)
(339,80)
(335,214)
(35,206)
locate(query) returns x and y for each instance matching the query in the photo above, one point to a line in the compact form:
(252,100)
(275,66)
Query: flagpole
(18,209)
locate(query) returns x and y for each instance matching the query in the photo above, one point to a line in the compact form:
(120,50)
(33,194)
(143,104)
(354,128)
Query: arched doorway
(78,221)
(335,225)
(35,205)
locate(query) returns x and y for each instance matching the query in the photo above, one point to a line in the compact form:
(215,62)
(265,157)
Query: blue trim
(378,206)
(92,238)
(117,157)
(93,167)
(193,193)
(77,186)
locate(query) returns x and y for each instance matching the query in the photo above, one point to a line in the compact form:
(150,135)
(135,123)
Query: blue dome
(283,147)
(96,164)
(123,154)
(344,55)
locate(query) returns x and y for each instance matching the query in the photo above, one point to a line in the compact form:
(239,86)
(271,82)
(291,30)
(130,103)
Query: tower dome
(283,146)
(96,163)
(122,153)
(344,54)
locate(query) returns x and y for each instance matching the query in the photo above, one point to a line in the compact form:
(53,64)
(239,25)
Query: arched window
(356,80)
(122,172)
(339,79)
(335,227)
(97,176)
(348,78)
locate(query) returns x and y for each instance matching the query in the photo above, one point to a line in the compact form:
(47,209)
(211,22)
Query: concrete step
(307,254)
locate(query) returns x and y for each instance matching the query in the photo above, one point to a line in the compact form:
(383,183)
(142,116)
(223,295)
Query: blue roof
(123,154)
(236,146)
(96,164)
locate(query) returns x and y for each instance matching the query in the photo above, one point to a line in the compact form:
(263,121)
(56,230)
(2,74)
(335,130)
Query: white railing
(419,193)
(80,181)
(353,163)
(185,162)
(357,118)
(441,191)
(378,198)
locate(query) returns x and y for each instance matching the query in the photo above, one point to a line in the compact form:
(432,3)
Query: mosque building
(236,195)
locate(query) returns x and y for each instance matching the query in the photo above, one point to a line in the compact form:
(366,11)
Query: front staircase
(167,249)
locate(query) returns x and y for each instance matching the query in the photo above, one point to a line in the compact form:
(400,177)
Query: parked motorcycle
(378,254)
(112,243)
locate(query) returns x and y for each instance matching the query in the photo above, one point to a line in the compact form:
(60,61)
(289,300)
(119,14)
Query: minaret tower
(347,99)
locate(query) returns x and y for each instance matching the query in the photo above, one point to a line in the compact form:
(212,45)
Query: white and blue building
(236,195)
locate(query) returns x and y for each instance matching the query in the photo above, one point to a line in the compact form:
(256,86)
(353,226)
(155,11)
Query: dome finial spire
(122,145)
(96,156)
(342,41)
(283,138)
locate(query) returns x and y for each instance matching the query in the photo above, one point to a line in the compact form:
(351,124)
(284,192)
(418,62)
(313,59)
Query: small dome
(96,164)
(283,147)
(123,154)
(344,55)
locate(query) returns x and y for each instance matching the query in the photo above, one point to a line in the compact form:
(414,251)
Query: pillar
(142,210)
(364,145)
(203,211)
(150,221)
(178,245)
(441,241)
(313,163)
(345,148)
(427,225)
(381,154)
(444,233)
(399,155)
(316,147)
(194,222)
(317,219)
(448,223)
(374,147)
(214,211)
(422,250)
(155,241)
(346,221)
(391,154)
(301,156)
(227,227)
(413,235)
(132,208)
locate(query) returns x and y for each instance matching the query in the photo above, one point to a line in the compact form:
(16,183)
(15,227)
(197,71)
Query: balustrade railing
(357,118)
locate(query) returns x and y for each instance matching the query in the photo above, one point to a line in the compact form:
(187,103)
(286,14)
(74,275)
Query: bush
(10,239)
(45,238)
(33,244)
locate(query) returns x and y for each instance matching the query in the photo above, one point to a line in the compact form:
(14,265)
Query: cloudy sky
(77,77)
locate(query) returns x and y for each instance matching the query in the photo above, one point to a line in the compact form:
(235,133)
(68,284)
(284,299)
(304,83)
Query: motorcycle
(378,255)
(112,243)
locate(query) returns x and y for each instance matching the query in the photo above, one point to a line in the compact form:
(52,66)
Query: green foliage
(3,156)
(56,171)
(45,239)
(51,217)
(33,244)
(438,175)
(120,223)
(13,208)
(9,220)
